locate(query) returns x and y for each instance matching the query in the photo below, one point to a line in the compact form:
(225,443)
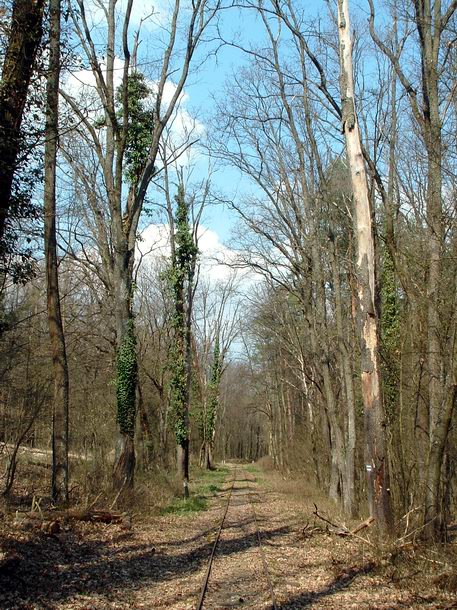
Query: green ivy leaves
(126,380)
(140,125)
(213,401)
(179,276)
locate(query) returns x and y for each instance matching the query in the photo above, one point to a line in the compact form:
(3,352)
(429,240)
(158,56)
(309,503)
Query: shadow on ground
(50,569)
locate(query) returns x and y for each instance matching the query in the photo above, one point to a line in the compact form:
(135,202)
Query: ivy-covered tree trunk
(184,256)
(180,392)
(126,375)
(212,406)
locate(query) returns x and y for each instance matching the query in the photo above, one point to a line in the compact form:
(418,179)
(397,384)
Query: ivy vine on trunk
(181,280)
(127,375)
(212,405)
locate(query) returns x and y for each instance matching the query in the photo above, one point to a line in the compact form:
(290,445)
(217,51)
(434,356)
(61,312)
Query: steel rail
(204,587)
(201,599)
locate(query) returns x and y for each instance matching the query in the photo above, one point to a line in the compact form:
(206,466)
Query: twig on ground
(342,530)
(118,494)
(322,518)
(92,504)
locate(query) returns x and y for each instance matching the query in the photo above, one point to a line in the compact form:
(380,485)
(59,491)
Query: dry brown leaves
(160,563)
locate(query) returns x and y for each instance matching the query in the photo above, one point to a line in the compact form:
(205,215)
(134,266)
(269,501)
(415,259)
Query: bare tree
(119,156)
(217,325)
(431,20)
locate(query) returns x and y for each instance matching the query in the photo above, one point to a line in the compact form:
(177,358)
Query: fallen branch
(118,494)
(360,527)
(95,516)
(342,530)
(322,518)
(92,504)
(308,531)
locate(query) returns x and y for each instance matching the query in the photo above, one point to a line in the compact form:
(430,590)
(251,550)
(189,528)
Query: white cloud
(182,124)
(217,261)
(81,85)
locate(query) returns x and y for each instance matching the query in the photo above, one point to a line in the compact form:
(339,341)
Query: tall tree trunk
(23,42)
(126,374)
(146,432)
(56,333)
(183,447)
(375,443)
(319,346)
(346,367)
(184,258)
(434,518)
(431,21)
(440,407)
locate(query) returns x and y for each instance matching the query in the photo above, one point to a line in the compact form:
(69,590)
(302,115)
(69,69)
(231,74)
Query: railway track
(239,525)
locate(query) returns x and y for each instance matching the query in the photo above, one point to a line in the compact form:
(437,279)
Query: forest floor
(160,561)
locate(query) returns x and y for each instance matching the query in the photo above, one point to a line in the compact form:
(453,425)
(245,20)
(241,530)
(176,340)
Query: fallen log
(362,526)
(95,516)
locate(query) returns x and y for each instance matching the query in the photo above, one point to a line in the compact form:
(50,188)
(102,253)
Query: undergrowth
(183,506)
(204,485)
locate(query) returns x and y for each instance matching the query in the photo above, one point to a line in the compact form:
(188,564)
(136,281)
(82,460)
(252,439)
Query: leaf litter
(159,562)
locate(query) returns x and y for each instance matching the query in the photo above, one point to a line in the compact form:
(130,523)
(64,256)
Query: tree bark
(56,332)
(430,22)
(434,522)
(183,465)
(23,42)
(126,372)
(439,409)
(346,367)
(375,444)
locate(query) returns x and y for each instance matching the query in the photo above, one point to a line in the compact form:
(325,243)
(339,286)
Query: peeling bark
(375,444)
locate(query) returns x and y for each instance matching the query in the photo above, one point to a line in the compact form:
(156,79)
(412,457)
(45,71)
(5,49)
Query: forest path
(161,563)
(239,575)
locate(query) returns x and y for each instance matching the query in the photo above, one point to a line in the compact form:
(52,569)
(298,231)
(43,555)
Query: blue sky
(244,27)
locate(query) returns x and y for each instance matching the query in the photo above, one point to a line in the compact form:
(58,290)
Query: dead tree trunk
(375,445)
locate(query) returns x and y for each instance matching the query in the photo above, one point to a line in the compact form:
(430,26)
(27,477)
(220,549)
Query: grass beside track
(203,485)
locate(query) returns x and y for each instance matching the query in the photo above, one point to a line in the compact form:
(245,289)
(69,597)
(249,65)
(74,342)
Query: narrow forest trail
(162,561)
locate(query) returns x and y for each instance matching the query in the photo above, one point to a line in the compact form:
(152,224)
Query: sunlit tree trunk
(375,444)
